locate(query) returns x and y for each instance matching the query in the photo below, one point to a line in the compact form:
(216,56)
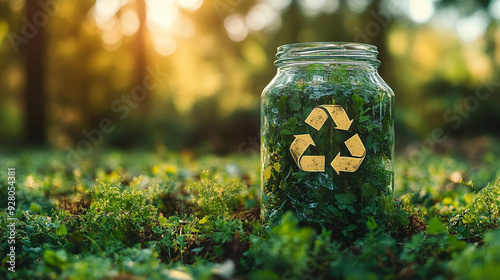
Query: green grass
(159,215)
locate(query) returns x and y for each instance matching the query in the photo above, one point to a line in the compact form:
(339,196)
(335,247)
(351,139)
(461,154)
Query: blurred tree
(377,15)
(34,95)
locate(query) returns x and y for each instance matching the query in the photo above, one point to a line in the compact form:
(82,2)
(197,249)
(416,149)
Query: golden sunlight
(161,14)
(190,5)
(129,22)
(163,20)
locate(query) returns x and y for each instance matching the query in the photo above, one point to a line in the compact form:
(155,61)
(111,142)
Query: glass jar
(327,128)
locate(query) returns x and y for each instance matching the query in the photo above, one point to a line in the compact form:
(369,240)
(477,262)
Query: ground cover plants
(166,215)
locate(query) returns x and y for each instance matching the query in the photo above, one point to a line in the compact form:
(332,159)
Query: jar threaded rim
(326,52)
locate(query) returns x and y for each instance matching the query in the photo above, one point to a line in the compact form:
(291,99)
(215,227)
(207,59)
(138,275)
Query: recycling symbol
(316,163)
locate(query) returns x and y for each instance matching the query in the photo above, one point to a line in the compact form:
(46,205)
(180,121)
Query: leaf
(371,224)
(267,173)
(358,101)
(294,102)
(61,230)
(104,220)
(453,242)
(35,207)
(435,226)
(333,209)
(349,228)
(314,70)
(291,123)
(345,198)
(276,167)
(197,250)
(57,259)
(205,220)
(416,241)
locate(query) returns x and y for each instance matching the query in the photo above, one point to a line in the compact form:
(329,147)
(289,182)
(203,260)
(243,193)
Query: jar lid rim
(327,52)
(333,45)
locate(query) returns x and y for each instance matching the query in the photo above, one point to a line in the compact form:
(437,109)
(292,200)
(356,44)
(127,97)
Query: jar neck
(352,54)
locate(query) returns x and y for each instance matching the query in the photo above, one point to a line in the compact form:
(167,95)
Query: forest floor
(173,215)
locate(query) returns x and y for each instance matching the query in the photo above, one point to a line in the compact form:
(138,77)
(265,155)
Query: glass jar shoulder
(320,82)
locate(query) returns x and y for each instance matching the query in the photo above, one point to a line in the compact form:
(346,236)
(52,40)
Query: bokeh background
(186,75)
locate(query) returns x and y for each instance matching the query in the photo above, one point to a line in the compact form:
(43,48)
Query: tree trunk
(381,22)
(34,95)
